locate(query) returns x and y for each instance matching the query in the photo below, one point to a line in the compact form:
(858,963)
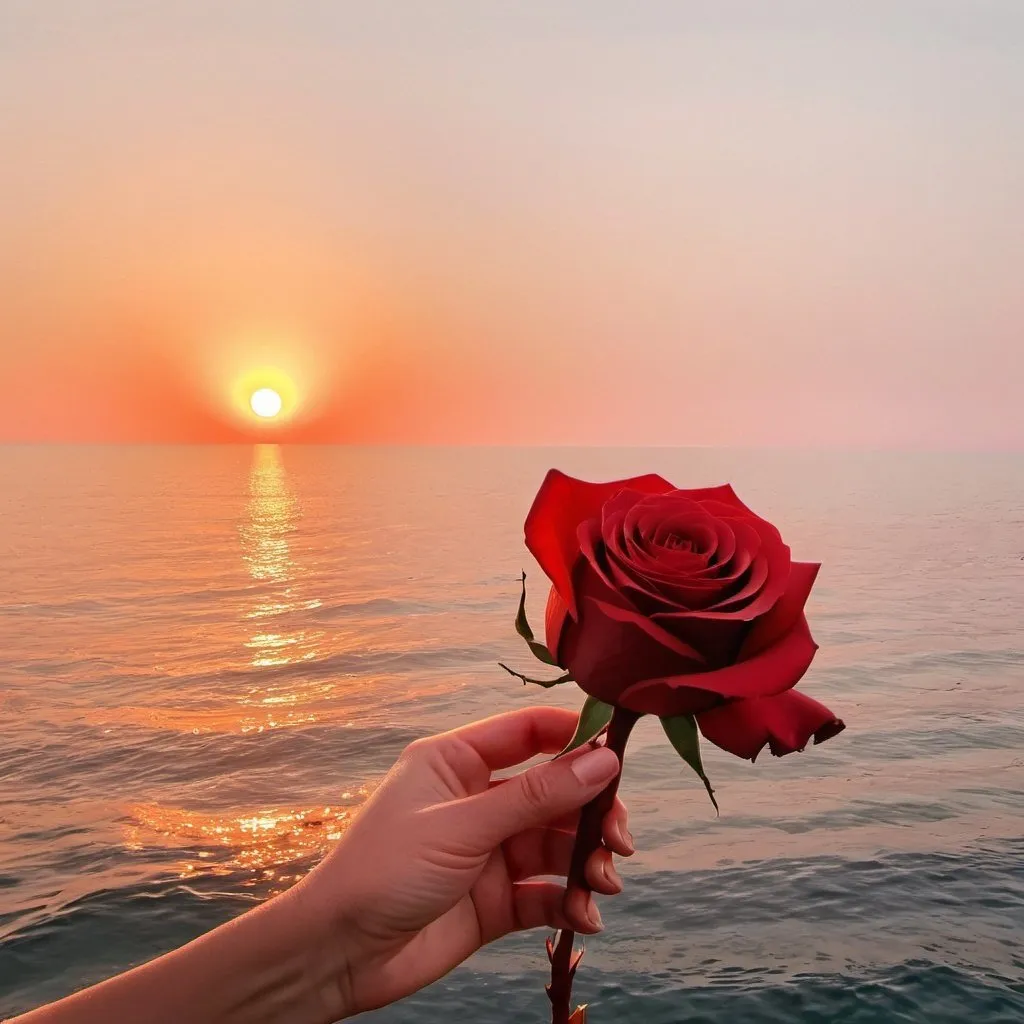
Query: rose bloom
(671,602)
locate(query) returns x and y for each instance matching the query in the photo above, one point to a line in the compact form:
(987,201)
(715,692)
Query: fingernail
(594,915)
(611,875)
(596,766)
(625,837)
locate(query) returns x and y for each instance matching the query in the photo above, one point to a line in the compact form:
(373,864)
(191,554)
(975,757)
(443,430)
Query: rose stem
(588,839)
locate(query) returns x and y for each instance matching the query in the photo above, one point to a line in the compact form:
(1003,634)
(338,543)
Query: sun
(266,403)
(264,397)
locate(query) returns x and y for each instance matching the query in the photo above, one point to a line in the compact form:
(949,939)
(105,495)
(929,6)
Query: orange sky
(659,223)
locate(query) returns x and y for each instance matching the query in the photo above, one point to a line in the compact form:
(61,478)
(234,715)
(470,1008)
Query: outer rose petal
(556,614)
(773,671)
(562,503)
(782,617)
(620,647)
(785,722)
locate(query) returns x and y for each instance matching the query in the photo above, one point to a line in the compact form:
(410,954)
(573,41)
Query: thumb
(537,796)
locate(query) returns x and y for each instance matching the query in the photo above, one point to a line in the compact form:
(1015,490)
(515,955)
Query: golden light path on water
(273,844)
(273,514)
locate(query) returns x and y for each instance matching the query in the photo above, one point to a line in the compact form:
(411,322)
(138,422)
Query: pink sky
(655,223)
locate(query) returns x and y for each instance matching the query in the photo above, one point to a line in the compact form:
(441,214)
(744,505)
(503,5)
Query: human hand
(443,859)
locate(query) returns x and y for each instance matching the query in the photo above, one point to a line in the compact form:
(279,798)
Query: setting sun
(262,397)
(266,403)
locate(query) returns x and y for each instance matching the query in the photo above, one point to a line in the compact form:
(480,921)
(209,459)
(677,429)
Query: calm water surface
(210,656)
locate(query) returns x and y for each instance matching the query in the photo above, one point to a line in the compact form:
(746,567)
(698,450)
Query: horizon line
(648,446)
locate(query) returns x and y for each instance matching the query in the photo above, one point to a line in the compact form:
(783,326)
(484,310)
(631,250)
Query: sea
(209,656)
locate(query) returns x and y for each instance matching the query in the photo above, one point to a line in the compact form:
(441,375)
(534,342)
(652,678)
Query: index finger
(504,740)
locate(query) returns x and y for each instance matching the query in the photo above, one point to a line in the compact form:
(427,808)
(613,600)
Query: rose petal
(723,551)
(703,589)
(645,518)
(636,531)
(611,645)
(637,590)
(621,646)
(667,536)
(617,574)
(659,580)
(718,637)
(556,614)
(592,548)
(562,503)
(767,630)
(759,593)
(785,722)
(756,580)
(628,497)
(604,553)
(772,671)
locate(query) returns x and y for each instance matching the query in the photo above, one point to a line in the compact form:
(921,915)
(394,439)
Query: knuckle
(418,750)
(535,788)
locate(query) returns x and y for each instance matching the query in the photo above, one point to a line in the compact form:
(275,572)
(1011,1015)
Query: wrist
(341,953)
(310,979)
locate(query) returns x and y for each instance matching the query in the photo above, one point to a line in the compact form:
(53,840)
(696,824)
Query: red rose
(673,602)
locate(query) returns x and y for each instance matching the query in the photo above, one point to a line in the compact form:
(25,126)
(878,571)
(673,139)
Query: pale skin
(440,861)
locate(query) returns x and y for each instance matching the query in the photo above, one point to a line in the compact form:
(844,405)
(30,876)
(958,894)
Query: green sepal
(540,651)
(594,716)
(682,733)
(546,683)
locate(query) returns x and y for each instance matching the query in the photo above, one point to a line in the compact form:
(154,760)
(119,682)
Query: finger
(538,851)
(600,873)
(532,798)
(539,904)
(568,823)
(571,819)
(505,740)
(615,831)
(580,909)
(546,851)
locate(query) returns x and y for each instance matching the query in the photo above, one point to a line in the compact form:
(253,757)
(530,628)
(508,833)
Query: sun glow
(265,398)
(266,403)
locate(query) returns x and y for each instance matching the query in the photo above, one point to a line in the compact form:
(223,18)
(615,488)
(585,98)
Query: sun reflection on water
(272,516)
(272,519)
(275,845)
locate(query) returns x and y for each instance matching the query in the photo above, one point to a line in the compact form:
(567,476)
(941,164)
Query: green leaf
(594,716)
(682,733)
(546,683)
(523,629)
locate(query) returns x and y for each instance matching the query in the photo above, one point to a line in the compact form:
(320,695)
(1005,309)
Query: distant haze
(720,222)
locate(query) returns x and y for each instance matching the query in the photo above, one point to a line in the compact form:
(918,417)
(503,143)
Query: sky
(670,223)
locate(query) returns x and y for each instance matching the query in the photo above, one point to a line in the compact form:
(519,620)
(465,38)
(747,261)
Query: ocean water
(209,656)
